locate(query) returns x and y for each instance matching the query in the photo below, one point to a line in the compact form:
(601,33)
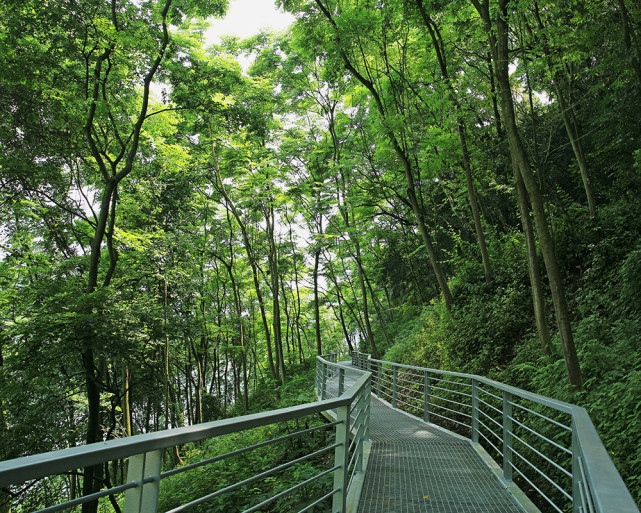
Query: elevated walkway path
(416,467)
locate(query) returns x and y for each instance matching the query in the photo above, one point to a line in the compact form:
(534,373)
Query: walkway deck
(415,467)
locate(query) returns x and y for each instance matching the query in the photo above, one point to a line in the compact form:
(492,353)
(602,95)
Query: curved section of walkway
(417,468)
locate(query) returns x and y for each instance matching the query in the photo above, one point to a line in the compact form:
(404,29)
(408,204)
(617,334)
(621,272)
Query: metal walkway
(415,467)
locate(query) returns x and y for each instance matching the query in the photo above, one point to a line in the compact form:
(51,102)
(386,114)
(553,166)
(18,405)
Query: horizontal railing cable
(252,479)
(237,452)
(291,489)
(90,497)
(542,437)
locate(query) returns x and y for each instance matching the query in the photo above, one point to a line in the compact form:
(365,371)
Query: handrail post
(426,396)
(323,381)
(368,403)
(394,385)
(365,432)
(341,380)
(379,374)
(143,498)
(341,460)
(576,471)
(507,436)
(475,411)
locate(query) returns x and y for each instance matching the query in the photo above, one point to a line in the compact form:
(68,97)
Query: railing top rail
(541,399)
(609,491)
(23,469)
(612,494)
(337,365)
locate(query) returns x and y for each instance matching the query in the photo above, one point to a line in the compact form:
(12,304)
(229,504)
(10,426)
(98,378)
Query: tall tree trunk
(499,46)
(250,256)
(536,284)
(571,128)
(402,156)
(569,119)
(319,345)
(112,174)
(170,398)
(126,401)
(377,306)
(368,327)
(462,133)
(341,318)
(494,97)
(272,258)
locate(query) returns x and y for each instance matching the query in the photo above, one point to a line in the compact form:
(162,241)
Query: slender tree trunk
(462,133)
(494,96)
(241,336)
(377,306)
(200,385)
(126,401)
(634,53)
(341,317)
(319,345)
(536,284)
(170,397)
(368,327)
(402,156)
(252,261)
(91,481)
(272,258)
(569,120)
(499,46)
(297,299)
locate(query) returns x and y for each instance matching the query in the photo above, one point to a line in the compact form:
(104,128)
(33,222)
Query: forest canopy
(448,184)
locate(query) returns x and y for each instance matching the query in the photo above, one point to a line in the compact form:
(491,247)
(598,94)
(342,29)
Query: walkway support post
(368,402)
(341,460)
(323,384)
(144,469)
(394,385)
(475,411)
(507,435)
(426,396)
(576,471)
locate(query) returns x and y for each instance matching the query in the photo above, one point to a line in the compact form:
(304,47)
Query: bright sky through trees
(247,17)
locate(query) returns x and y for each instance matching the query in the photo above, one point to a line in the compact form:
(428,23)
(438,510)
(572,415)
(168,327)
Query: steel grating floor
(416,468)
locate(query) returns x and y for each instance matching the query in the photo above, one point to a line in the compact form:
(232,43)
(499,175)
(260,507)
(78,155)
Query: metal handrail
(594,483)
(331,381)
(144,452)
